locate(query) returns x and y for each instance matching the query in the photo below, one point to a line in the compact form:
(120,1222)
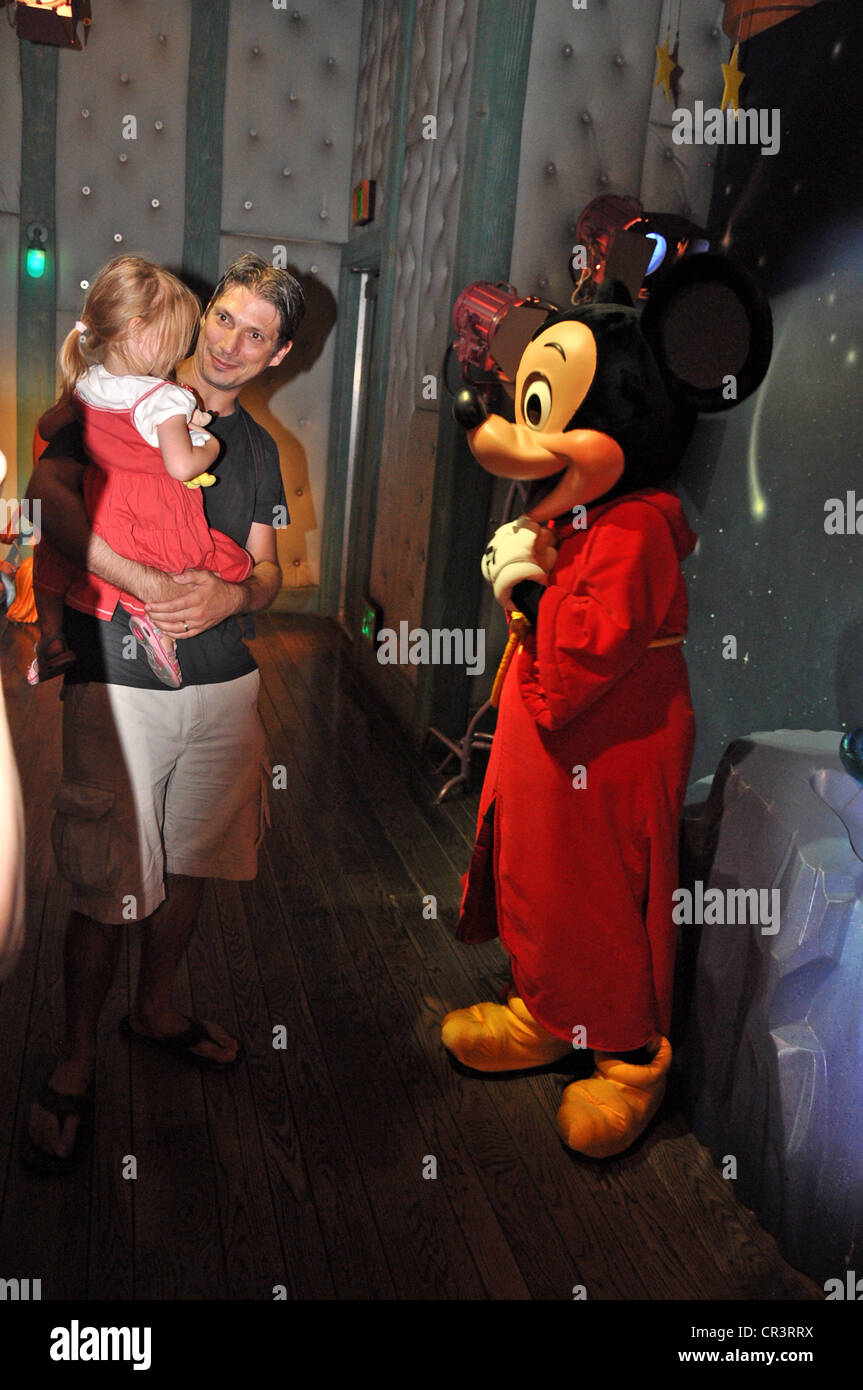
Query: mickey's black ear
(711,331)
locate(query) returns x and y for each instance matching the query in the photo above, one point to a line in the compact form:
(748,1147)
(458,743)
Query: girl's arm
(183,459)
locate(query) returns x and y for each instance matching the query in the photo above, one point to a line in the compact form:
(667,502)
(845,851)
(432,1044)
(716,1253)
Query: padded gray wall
(431,185)
(298,94)
(135,65)
(594,123)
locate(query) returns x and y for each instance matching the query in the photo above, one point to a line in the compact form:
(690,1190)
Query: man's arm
(57,484)
(208,600)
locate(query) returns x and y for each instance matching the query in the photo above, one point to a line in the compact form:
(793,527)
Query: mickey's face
(553,378)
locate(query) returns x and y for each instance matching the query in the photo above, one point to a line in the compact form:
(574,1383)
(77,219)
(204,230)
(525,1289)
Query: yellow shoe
(500,1037)
(202,480)
(606,1113)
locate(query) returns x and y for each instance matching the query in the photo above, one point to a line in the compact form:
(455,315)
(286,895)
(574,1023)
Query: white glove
(522,549)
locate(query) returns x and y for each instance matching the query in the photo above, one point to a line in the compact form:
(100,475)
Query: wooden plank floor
(305,1168)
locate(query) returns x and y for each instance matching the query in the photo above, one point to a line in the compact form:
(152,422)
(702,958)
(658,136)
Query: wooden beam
(37,299)
(205,118)
(486,216)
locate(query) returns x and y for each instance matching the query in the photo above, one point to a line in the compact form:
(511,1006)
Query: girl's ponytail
(72,362)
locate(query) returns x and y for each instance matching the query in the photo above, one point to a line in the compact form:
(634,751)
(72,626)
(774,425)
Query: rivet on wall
(302,420)
(256,51)
(287,173)
(543,282)
(124,78)
(163,38)
(292,97)
(331,63)
(603,179)
(86,190)
(84,284)
(714,33)
(586,118)
(118,236)
(296,16)
(619,60)
(158,125)
(298,492)
(296,564)
(248,205)
(122,158)
(154,203)
(85,112)
(667,153)
(313,270)
(328,141)
(551,169)
(253,134)
(567,50)
(323,214)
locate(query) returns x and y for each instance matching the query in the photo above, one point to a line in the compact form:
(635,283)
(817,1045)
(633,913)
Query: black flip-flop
(39,1160)
(180,1044)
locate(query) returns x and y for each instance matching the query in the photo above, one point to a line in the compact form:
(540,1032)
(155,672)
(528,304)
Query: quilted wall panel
(135,65)
(431,187)
(291,401)
(375,94)
(10,162)
(289,118)
(593,124)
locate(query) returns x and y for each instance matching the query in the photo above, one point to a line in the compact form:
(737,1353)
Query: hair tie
(81,327)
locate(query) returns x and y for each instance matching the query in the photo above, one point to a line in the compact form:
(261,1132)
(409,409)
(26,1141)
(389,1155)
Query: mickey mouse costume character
(576,857)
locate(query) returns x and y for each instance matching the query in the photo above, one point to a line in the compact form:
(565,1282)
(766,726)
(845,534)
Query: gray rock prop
(772,1055)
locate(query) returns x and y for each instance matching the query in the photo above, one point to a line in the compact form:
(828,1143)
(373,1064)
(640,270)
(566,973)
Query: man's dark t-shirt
(244,493)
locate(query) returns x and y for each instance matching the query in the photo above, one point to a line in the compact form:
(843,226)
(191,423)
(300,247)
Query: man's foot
(605,1114)
(500,1037)
(194,1040)
(52,1136)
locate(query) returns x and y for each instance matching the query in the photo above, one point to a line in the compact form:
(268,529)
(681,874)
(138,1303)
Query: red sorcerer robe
(578,880)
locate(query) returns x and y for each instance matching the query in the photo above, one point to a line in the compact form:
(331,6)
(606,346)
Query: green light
(367,627)
(35,262)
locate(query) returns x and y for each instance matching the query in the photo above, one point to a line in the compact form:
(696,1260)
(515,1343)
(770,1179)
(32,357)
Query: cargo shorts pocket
(84,835)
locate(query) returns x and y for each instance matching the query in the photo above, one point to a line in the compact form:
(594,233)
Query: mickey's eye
(536,401)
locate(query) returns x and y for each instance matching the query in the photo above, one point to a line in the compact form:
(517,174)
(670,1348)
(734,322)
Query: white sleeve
(157,407)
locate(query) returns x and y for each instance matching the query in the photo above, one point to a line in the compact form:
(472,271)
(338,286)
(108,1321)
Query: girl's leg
(52,654)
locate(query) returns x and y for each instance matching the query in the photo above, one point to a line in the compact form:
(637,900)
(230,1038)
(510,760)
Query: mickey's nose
(469,408)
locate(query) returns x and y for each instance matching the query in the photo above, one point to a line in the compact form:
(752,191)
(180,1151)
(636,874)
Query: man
(145,766)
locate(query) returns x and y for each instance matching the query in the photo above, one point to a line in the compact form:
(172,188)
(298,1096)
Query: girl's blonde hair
(127,288)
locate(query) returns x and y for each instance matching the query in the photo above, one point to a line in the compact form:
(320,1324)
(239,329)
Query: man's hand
(197,600)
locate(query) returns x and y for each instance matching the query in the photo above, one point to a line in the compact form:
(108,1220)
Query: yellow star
(665,69)
(733,78)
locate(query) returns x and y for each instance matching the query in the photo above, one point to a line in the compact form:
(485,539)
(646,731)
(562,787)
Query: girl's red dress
(142,512)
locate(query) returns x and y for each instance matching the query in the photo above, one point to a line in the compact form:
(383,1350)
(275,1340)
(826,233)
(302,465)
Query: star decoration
(665,69)
(676,74)
(733,78)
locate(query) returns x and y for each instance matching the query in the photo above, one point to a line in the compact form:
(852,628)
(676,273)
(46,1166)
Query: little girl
(144,462)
